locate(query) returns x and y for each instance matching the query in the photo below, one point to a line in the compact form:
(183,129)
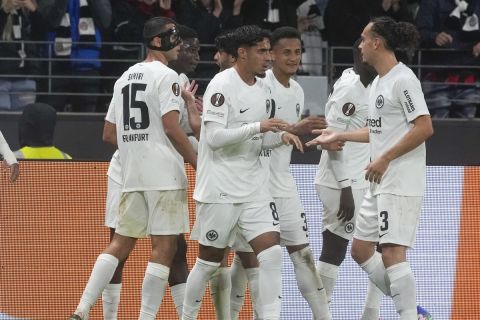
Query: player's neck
(245,74)
(156,56)
(385,63)
(282,77)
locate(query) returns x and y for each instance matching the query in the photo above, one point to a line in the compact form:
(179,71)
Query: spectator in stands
(9,159)
(15,26)
(71,22)
(36,129)
(345,20)
(451,24)
(270,14)
(310,24)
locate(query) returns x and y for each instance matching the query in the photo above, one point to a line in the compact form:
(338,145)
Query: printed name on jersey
(379,102)
(216,113)
(217,99)
(176,89)
(133,137)
(297,109)
(348,109)
(409,103)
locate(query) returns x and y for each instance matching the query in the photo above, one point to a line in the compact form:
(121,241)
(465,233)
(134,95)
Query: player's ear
(242,52)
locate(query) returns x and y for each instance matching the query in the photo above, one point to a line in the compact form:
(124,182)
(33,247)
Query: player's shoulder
(403,73)
(348,77)
(295,85)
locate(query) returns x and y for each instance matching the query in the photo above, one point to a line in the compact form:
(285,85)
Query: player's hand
(14,169)
(347,205)
(443,39)
(307,125)
(333,146)
(188,92)
(326,136)
(289,138)
(274,125)
(199,103)
(376,169)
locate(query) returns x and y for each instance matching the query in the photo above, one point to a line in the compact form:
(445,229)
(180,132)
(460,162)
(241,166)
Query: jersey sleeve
(170,98)
(340,106)
(410,95)
(215,103)
(110,116)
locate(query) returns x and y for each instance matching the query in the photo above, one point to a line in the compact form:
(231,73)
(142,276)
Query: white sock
(111,300)
(196,284)
(239,282)
(270,281)
(253,286)
(328,273)
(403,290)
(178,294)
(153,289)
(310,284)
(371,310)
(101,275)
(377,273)
(220,287)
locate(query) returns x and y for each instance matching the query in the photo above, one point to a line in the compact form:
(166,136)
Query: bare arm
(110,133)
(178,137)
(328,136)
(9,159)
(194,118)
(421,131)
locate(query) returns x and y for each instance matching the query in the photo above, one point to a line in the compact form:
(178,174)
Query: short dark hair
(155,26)
(226,42)
(284,33)
(249,36)
(400,37)
(185,32)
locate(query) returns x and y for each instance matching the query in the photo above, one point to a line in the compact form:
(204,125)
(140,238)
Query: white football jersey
(142,95)
(286,104)
(115,168)
(346,110)
(232,174)
(396,99)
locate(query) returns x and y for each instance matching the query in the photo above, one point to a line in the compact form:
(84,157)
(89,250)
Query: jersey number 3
(130,102)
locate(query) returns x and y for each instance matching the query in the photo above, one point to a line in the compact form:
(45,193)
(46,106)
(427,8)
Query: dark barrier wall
(455,142)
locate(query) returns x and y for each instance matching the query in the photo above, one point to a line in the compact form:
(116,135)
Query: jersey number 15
(130,102)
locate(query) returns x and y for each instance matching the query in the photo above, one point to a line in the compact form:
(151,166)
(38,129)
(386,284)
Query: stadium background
(51,231)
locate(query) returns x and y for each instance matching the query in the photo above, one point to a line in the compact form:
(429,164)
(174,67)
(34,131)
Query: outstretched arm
(9,159)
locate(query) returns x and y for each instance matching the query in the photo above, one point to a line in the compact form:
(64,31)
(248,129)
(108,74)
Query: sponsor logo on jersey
(374,124)
(176,89)
(244,110)
(348,109)
(217,99)
(297,109)
(409,103)
(349,227)
(212,235)
(379,102)
(268,106)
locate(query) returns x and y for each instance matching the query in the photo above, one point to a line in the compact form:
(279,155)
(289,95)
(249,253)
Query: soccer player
(398,125)
(231,191)
(225,55)
(9,159)
(287,104)
(339,180)
(189,118)
(144,118)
